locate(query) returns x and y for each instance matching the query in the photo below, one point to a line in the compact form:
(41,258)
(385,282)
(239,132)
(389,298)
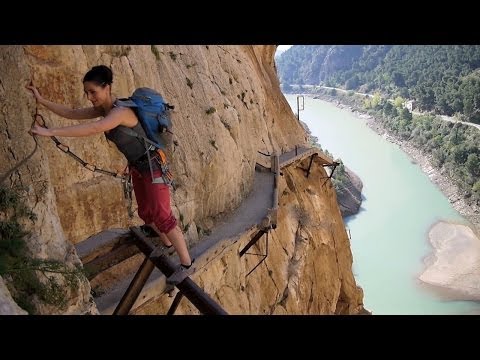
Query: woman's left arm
(117,116)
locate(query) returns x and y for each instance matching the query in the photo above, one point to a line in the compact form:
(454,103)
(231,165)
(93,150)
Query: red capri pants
(153,200)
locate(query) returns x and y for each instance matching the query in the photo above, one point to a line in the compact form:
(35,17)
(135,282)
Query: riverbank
(453,267)
(348,185)
(436,176)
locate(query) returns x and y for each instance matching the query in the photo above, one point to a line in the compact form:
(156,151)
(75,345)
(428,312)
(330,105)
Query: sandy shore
(454,265)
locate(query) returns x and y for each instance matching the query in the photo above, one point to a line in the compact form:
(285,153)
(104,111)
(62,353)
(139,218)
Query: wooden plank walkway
(258,212)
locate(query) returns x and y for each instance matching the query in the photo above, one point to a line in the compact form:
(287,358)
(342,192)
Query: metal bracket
(251,243)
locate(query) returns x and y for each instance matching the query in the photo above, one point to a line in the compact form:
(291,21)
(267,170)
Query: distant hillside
(440,78)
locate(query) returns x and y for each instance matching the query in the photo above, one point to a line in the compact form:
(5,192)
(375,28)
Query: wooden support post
(310,165)
(263,256)
(252,242)
(204,303)
(276,189)
(335,164)
(135,287)
(175,303)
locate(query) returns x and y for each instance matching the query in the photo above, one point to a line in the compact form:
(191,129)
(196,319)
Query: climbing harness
(127,186)
(153,149)
(162,162)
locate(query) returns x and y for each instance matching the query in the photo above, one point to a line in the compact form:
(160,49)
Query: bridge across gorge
(255,216)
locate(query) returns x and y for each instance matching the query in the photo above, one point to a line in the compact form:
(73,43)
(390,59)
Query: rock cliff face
(228,106)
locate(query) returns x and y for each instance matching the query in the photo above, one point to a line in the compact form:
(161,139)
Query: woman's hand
(40,130)
(37,95)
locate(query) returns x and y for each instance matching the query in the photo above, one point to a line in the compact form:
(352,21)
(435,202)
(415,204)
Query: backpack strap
(125,102)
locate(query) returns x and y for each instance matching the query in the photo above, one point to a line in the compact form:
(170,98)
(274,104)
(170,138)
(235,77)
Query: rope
(21,163)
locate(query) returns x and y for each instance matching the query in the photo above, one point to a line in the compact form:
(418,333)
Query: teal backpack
(154,116)
(152,112)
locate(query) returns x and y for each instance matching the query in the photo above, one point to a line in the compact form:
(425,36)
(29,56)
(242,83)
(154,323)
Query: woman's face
(95,93)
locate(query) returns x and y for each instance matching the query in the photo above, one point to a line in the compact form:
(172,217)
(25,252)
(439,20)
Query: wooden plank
(114,257)
(264,161)
(101,243)
(323,159)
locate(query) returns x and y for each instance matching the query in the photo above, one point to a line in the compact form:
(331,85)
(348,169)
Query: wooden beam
(201,300)
(114,257)
(255,238)
(310,165)
(136,286)
(175,303)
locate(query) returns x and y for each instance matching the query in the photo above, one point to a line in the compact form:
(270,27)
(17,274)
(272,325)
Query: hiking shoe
(162,250)
(180,274)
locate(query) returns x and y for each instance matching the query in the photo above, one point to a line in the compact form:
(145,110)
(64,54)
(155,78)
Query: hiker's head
(97,84)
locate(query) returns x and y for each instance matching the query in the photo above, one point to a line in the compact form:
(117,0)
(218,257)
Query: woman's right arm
(65,111)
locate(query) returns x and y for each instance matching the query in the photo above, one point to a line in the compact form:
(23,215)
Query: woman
(153,199)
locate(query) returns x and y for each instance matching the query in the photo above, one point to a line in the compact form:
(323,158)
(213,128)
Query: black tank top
(132,147)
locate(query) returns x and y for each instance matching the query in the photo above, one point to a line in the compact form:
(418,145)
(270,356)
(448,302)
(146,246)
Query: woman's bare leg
(162,236)
(178,240)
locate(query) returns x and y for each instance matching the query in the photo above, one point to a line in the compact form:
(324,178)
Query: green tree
(398,102)
(476,187)
(376,100)
(388,109)
(351,83)
(473,164)
(406,114)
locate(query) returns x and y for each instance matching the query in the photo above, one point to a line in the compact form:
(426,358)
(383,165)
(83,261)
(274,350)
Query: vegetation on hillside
(30,280)
(340,179)
(453,146)
(442,79)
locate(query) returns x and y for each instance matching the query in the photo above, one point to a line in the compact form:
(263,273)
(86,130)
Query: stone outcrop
(7,305)
(350,195)
(228,106)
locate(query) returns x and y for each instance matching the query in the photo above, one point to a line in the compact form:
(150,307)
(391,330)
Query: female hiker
(153,199)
